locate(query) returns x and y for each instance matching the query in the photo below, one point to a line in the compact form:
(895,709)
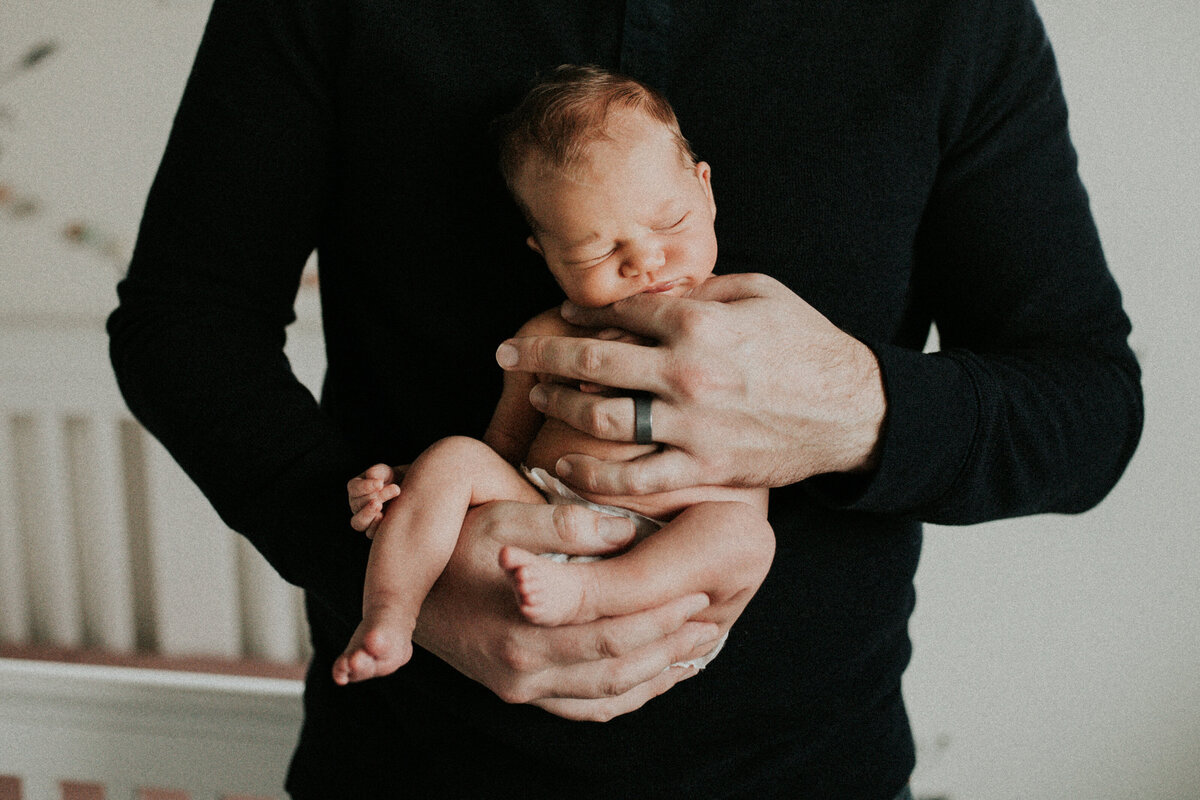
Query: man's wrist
(867,409)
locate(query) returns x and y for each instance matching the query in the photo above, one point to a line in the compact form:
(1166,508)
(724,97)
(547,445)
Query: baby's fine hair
(567,110)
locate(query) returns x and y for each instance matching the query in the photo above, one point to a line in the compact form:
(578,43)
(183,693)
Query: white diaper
(558,493)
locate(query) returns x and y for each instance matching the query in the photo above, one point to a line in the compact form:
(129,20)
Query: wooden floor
(211,665)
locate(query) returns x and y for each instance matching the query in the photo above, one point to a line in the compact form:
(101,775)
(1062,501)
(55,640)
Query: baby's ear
(704,174)
(534,246)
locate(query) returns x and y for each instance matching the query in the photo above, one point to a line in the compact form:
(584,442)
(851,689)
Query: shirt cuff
(932,416)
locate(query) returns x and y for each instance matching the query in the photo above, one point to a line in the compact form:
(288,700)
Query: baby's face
(633,218)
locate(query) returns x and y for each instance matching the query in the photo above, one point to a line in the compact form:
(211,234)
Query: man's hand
(752,387)
(595,671)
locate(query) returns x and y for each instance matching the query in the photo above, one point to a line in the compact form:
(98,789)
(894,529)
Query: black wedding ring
(642,426)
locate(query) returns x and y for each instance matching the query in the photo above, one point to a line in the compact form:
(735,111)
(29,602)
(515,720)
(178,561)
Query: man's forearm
(216,390)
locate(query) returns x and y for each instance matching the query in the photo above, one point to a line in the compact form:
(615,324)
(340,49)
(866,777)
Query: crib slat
(194,564)
(43,502)
(81,790)
(14,607)
(94,461)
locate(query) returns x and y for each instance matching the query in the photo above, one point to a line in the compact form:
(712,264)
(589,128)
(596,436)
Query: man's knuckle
(568,522)
(593,418)
(515,693)
(536,349)
(601,420)
(640,481)
(517,657)
(607,711)
(688,380)
(590,358)
(608,645)
(585,478)
(599,711)
(622,678)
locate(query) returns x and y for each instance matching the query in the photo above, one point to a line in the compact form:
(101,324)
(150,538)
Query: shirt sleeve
(197,339)
(1034,402)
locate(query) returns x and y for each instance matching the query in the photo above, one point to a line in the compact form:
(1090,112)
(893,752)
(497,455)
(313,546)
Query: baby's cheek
(705,257)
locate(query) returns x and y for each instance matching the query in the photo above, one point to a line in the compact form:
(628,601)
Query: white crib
(106,546)
(73,732)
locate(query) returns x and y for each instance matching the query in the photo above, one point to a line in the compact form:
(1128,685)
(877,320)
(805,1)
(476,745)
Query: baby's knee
(760,539)
(458,452)
(749,538)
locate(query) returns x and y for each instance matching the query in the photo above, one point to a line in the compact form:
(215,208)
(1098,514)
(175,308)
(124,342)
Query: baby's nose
(643,260)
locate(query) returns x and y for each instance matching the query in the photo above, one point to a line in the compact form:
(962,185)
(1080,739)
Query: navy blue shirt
(894,162)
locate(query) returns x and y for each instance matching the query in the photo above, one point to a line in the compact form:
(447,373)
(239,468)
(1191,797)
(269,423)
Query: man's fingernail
(563,468)
(506,355)
(615,529)
(569,310)
(537,396)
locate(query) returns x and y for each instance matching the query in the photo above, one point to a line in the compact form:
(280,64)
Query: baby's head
(616,200)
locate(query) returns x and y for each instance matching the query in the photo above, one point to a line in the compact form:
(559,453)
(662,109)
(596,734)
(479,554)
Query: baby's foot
(378,647)
(549,593)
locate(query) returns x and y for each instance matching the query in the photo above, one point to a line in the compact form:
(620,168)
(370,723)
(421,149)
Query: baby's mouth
(659,288)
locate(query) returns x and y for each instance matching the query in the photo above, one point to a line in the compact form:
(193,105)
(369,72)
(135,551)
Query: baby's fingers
(367,517)
(380,472)
(359,502)
(373,480)
(363,487)
(360,488)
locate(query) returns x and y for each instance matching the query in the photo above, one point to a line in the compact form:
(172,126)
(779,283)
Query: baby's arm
(515,422)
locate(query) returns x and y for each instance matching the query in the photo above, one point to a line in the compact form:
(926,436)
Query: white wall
(1055,657)
(81,136)
(1059,657)
(81,133)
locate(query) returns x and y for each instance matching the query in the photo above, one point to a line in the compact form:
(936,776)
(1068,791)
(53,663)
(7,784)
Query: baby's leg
(720,548)
(415,540)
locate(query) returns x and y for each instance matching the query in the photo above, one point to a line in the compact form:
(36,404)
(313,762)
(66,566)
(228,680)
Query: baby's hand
(368,492)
